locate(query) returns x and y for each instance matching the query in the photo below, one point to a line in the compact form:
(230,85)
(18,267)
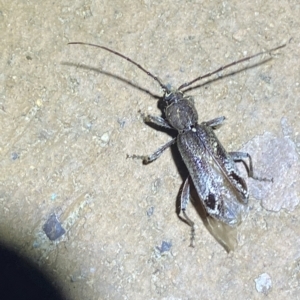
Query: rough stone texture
(69,115)
(278,160)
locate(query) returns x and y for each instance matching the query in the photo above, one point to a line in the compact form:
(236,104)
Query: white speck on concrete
(263,283)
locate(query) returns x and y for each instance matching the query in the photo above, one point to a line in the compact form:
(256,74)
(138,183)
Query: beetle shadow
(124,80)
(227,75)
(154,96)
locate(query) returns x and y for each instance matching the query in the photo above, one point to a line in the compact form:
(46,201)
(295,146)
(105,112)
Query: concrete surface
(67,123)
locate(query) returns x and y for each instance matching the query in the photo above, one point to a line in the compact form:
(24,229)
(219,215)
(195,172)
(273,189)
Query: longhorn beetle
(220,187)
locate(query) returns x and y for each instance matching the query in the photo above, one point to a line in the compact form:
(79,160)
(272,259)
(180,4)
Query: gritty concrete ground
(69,115)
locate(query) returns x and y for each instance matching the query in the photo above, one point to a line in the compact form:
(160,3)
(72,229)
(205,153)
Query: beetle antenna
(229,65)
(164,87)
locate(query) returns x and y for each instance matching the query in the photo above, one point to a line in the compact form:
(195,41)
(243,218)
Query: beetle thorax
(181,113)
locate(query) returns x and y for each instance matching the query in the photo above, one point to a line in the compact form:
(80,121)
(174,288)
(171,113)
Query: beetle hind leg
(239,157)
(185,198)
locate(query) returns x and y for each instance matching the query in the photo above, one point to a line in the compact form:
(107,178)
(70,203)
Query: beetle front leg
(215,122)
(184,200)
(159,121)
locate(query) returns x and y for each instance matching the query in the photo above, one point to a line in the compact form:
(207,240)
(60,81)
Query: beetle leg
(240,156)
(150,158)
(215,122)
(159,121)
(185,198)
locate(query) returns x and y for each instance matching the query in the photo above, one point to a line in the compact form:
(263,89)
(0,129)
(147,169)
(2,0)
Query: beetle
(212,170)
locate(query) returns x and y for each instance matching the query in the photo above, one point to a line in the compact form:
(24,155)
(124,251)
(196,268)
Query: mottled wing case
(214,174)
